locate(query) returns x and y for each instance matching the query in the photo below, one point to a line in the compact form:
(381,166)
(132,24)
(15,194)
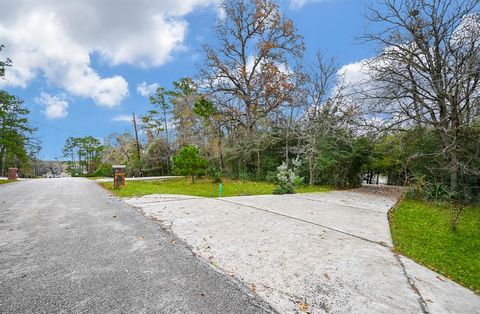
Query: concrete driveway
(316,253)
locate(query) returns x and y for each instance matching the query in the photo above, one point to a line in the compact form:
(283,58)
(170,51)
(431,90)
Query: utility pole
(138,143)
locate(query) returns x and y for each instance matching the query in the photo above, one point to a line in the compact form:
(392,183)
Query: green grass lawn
(422,231)
(201,187)
(5,181)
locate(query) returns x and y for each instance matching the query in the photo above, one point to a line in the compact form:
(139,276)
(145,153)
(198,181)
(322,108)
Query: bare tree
(119,148)
(428,71)
(248,73)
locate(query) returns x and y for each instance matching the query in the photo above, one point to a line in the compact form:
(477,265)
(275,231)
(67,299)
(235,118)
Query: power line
(58,128)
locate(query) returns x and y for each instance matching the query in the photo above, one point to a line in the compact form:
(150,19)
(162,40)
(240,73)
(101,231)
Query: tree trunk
(453,171)
(286,149)
(166,137)
(451,157)
(2,153)
(258,163)
(311,170)
(220,153)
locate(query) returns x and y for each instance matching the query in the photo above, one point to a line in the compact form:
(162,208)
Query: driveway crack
(308,222)
(411,283)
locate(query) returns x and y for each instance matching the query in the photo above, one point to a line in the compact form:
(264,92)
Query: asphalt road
(67,246)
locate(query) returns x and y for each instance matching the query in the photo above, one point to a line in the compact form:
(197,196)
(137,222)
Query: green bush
(215,174)
(341,159)
(271,177)
(422,189)
(189,162)
(134,167)
(243,175)
(105,170)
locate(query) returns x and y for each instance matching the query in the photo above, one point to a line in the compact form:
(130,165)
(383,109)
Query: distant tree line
(84,155)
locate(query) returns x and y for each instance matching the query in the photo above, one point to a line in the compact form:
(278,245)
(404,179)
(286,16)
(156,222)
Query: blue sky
(48,78)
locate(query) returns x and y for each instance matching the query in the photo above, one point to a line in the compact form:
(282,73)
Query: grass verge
(201,187)
(422,231)
(5,181)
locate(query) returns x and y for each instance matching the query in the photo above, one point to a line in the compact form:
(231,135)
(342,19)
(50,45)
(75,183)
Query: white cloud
(57,38)
(122,118)
(298,4)
(354,73)
(147,90)
(55,106)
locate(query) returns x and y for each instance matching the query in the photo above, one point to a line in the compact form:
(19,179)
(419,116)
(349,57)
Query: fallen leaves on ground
(304,307)
(212,260)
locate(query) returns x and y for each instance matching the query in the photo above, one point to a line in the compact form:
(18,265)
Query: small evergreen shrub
(287,178)
(189,162)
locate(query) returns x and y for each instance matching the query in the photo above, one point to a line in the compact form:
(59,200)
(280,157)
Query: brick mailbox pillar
(12,174)
(119,174)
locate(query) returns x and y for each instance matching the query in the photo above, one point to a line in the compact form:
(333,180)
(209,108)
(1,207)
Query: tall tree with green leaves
(175,107)
(160,99)
(84,152)
(210,115)
(188,126)
(16,141)
(152,125)
(15,131)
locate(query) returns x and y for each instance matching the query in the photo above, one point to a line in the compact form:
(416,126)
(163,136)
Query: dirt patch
(384,190)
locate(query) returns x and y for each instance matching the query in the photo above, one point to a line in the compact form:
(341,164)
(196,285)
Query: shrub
(244,175)
(188,162)
(425,190)
(215,174)
(105,170)
(271,177)
(288,178)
